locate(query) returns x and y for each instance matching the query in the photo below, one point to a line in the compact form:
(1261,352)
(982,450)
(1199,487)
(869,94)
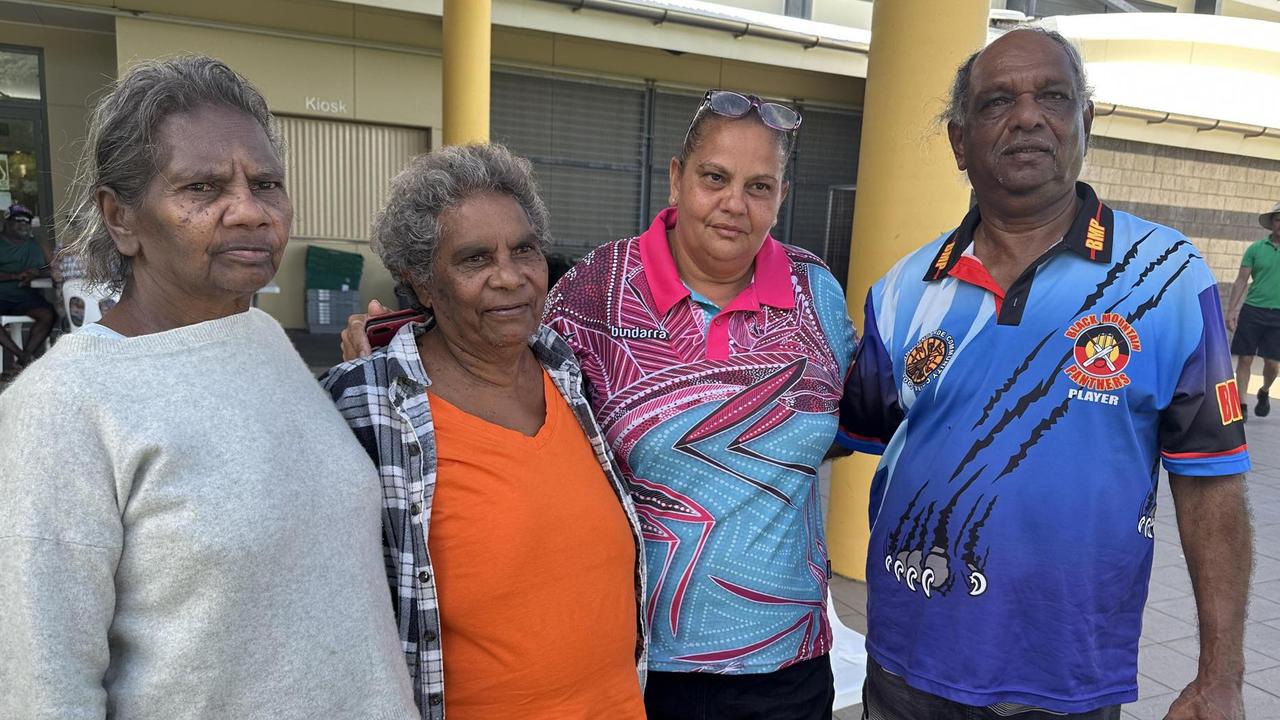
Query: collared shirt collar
(1090,235)
(405,364)
(770,286)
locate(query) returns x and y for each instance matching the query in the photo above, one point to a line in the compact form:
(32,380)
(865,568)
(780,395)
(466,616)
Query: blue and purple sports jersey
(1022,431)
(719,420)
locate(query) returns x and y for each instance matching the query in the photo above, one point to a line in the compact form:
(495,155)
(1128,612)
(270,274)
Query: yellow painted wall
(850,13)
(77,65)
(1254,9)
(302,77)
(770,6)
(698,71)
(309,16)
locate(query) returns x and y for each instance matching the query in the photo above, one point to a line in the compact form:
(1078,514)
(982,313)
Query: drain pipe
(663,11)
(1201,124)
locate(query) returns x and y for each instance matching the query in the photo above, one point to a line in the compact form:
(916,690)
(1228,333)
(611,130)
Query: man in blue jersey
(1024,376)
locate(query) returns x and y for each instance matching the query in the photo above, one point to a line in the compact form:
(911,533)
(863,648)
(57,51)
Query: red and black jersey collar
(1091,235)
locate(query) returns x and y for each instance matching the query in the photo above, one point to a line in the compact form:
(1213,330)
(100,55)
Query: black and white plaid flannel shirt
(383,398)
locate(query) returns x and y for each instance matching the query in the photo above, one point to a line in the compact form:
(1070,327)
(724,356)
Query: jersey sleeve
(870,411)
(1202,428)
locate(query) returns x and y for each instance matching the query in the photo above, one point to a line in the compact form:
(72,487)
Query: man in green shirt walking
(1256,321)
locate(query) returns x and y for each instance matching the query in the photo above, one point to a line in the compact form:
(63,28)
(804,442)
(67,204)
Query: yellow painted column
(909,191)
(467,42)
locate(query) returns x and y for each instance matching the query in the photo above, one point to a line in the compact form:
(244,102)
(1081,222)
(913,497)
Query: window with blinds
(338,173)
(586,142)
(601,153)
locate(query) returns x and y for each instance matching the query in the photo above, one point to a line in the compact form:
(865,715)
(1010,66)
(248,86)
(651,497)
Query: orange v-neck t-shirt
(534,564)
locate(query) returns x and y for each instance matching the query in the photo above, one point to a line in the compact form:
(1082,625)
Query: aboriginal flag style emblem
(926,359)
(1103,346)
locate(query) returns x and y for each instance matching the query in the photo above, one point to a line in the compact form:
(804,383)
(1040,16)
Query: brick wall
(1213,198)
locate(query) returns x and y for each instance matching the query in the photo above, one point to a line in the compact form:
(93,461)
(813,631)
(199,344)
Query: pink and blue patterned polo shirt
(719,418)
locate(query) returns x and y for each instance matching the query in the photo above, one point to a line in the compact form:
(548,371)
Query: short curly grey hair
(121,152)
(958,103)
(406,233)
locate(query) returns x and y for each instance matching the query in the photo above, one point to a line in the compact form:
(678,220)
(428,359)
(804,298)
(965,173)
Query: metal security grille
(826,157)
(586,141)
(839,224)
(601,153)
(671,115)
(338,173)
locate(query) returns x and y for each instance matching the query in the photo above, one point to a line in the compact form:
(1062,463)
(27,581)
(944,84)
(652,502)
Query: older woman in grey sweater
(187,527)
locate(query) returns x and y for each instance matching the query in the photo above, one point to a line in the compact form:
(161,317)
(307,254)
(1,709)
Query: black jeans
(886,696)
(804,691)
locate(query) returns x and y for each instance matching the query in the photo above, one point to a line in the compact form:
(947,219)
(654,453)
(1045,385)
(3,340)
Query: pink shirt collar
(770,286)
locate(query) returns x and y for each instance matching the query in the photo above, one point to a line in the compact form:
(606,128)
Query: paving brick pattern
(1169,647)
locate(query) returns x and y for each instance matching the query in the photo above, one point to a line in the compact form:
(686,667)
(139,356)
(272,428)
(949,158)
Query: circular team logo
(1102,351)
(1102,347)
(926,359)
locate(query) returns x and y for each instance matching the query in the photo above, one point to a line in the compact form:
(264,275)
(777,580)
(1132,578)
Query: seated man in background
(22,259)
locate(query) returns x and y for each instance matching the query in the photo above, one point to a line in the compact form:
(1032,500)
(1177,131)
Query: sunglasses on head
(735,105)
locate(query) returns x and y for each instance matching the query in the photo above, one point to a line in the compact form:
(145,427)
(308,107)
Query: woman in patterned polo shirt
(716,357)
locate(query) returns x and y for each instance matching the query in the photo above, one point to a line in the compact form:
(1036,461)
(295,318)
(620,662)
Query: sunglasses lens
(779,117)
(729,104)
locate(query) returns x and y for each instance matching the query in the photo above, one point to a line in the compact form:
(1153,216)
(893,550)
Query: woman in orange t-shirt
(513,548)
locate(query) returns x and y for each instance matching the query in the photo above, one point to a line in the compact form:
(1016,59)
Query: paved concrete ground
(1169,647)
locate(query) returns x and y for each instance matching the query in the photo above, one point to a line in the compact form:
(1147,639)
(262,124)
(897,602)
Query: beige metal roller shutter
(339,172)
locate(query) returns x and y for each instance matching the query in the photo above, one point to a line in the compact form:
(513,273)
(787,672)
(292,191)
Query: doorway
(24,142)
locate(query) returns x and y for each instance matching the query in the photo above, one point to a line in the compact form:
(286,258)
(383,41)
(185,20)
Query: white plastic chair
(82,304)
(12,324)
(848,659)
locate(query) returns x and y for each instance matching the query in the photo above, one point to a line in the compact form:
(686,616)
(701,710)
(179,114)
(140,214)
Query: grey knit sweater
(188,529)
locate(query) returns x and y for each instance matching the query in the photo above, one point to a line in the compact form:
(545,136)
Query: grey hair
(121,151)
(406,233)
(958,103)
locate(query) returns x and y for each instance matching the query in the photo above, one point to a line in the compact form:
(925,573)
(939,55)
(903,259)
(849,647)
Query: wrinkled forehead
(1021,58)
(203,136)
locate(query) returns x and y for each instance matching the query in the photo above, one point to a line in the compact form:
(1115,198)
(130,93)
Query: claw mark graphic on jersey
(1098,292)
(921,553)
